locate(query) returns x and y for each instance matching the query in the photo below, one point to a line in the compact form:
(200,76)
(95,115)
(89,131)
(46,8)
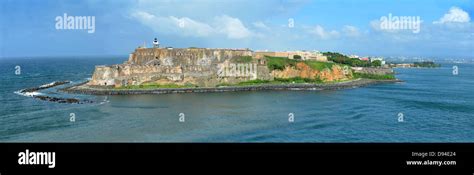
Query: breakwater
(46,86)
(33,92)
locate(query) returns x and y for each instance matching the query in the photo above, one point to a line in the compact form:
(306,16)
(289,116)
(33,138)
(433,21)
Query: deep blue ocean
(436,105)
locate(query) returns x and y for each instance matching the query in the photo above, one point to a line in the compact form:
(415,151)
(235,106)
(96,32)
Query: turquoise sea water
(437,107)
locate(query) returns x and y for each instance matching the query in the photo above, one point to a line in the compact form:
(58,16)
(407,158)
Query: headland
(177,70)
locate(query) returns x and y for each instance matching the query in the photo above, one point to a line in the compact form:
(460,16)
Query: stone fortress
(202,67)
(180,66)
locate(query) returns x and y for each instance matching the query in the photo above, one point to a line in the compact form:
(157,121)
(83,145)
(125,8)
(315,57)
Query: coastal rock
(334,74)
(302,70)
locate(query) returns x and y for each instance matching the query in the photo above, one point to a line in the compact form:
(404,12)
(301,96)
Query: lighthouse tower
(156,44)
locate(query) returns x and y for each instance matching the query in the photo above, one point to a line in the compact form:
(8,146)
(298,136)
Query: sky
(29,28)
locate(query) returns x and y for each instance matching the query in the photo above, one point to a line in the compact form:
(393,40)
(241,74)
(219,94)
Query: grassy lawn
(279,63)
(242,59)
(253,82)
(275,81)
(247,83)
(155,86)
(297,80)
(375,76)
(318,65)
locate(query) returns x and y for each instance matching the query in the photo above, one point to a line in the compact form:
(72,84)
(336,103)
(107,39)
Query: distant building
(364,58)
(262,54)
(305,55)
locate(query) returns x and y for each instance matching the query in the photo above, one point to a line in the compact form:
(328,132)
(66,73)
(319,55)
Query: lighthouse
(156,44)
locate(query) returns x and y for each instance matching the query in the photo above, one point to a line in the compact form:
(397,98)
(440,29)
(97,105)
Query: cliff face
(335,73)
(301,70)
(304,71)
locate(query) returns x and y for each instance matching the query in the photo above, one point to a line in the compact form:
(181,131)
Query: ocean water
(436,106)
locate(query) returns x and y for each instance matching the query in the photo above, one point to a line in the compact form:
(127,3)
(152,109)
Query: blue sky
(27,28)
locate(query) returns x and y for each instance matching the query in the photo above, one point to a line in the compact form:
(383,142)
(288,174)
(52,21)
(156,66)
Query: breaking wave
(28,94)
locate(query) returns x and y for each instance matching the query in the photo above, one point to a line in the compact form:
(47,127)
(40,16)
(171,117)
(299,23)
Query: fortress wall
(185,56)
(104,76)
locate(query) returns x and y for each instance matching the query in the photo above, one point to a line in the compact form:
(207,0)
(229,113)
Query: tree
(297,57)
(377,63)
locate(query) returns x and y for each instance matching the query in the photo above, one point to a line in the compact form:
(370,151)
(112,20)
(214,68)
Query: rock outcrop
(302,70)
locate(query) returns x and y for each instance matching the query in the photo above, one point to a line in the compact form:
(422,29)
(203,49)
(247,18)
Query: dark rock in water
(46,86)
(61,100)
(70,100)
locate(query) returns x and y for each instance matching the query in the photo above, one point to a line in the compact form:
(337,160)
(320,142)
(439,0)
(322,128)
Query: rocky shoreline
(84,89)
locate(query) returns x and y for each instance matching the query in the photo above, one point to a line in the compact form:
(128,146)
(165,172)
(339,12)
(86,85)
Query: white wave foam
(28,94)
(47,85)
(106,100)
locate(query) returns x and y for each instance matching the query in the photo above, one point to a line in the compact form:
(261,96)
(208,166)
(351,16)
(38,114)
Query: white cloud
(168,25)
(453,33)
(454,15)
(231,27)
(261,25)
(319,32)
(213,28)
(143,15)
(192,27)
(375,25)
(351,31)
